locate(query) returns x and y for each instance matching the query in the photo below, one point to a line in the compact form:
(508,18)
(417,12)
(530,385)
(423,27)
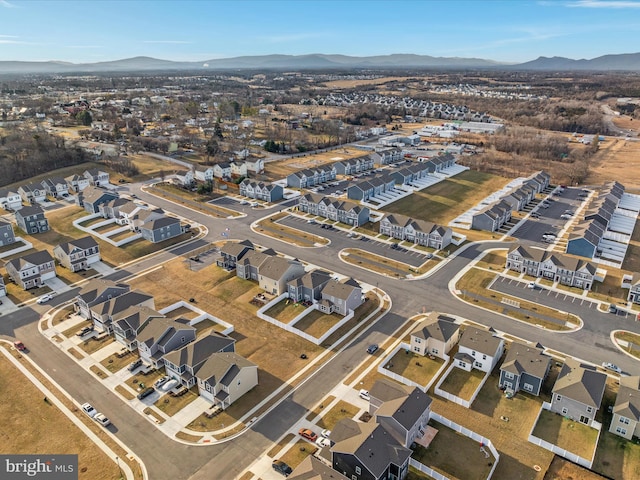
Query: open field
(373,262)
(617,159)
(568,434)
(271,227)
(31,426)
(445,200)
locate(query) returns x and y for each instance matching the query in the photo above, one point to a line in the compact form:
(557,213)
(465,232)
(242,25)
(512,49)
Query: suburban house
(161,336)
(268,192)
(479,349)
(96,177)
(92,197)
(238,169)
(78,254)
(340,297)
(112,208)
(31,219)
(185,178)
(538,180)
(367,189)
(519,197)
(338,210)
(249,265)
(626,411)
(128,323)
(584,238)
(7,236)
(160,229)
(98,291)
(231,252)
(436,335)
(387,155)
(386,390)
(353,166)
(557,267)
(222,170)
(368,451)
(275,272)
(634,289)
(183,363)
(32,193)
(313,469)
(524,368)
(254,164)
(103,313)
(491,217)
(31,270)
(56,187)
(204,174)
(309,177)
(308,287)
(77,183)
(578,391)
(10,200)
(419,232)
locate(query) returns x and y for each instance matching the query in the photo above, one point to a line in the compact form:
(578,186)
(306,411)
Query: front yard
(568,434)
(461,383)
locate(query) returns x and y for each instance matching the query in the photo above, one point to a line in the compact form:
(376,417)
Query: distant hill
(318,61)
(622,62)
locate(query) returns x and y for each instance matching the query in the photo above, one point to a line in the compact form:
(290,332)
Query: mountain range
(621,62)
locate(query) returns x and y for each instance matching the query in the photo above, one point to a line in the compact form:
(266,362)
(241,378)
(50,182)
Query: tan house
(626,411)
(436,335)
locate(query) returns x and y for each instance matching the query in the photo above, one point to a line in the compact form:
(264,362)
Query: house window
(434,351)
(182,339)
(509,375)
(417,340)
(416,349)
(621,431)
(624,420)
(528,387)
(558,398)
(589,410)
(565,410)
(484,357)
(358,471)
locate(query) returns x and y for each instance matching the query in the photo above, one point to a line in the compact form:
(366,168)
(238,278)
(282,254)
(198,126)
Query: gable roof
(197,352)
(29,210)
(580,382)
(628,399)
(313,469)
(437,326)
(522,358)
(386,390)
(222,367)
(97,287)
(406,410)
(161,329)
(35,258)
(234,249)
(83,243)
(275,267)
(482,341)
(311,279)
(340,290)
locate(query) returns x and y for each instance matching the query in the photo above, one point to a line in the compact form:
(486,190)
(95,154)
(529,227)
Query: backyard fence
(202,315)
(454,398)
(23,248)
(424,469)
(556,449)
(405,380)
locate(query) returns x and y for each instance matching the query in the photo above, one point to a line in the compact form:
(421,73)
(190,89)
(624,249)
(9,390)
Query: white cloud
(604,4)
(6,4)
(172,42)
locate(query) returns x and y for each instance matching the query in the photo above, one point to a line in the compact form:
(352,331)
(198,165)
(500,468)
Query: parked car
(135,364)
(323,442)
(169,385)
(19,346)
(531,285)
(102,419)
(612,367)
(535,215)
(326,433)
(89,410)
(145,393)
(45,298)
(565,216)
(364,394)
(371,349)
(612,308)
(308,434)
(161,381)
(281,467)
(84,331)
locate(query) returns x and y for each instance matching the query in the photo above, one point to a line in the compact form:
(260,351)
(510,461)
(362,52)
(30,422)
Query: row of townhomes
(557,267)
(338,210)
(420,232)
(267,192)
(277,275)
(33,269)
(221,170)
(587,235)
(154,225)
(365,190)
(210,362)
(56,187)
(576,394)
(310,177)
(493,216)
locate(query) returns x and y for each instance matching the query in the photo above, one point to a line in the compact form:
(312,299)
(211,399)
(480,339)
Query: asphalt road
(167,459)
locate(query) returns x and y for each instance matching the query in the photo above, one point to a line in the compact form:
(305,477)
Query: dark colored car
(145,393)
(281,467)
(372,349)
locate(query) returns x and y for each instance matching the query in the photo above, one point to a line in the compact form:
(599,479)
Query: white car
(323,442)
(161,381)
(89,410)
(102,419)
(531,285)
(45,298)
(612,367)
(169,385)
(326,433)
(365,394)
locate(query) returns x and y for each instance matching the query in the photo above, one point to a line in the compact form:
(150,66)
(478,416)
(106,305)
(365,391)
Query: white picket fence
(454,398)
(202,315)
(556,449)
(424,469)
(405,380)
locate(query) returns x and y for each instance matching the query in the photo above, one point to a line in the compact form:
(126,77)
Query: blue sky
(502,30)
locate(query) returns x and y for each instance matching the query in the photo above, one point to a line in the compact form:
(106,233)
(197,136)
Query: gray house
(578,391)
(31,270)
(128,323)
(96,291)
(161,336)
(160,229)
(102,314)
(419,232)
(56,187)
(341,297)
(634,289)
(231,252)
(405,418)
(309,286)
(31,219)
(7,236)
(626,411)
(585,237)
(268,192)
(92,197)
(78,254)
(491,217)
(525,367)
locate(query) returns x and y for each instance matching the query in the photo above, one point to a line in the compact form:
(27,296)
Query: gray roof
(29,210)
(562,260)
(97,287)
(197,352)
(437,326)
(312,279)
(135,316)
(92,194)
(161,329)
(160,222)
(406,410)
(35,258)
(580,382)
(82,243)
(628,399)
(313,469)
(386,390)
(121,302)
(219,367)
(276,267)
(481,341)
(522,358)
(233,249)
(339,290)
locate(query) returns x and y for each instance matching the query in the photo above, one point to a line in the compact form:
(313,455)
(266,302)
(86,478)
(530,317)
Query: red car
(308,434)
(19,345)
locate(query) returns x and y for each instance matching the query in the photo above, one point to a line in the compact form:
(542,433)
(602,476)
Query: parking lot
(341,239)
(549,219)
(233,203)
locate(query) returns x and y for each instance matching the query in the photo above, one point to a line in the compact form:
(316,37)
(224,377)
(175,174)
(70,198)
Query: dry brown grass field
(617,159)
(364,81)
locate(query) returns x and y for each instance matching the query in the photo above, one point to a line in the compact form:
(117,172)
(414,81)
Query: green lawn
(446,200)
(461,383)
(568,434)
